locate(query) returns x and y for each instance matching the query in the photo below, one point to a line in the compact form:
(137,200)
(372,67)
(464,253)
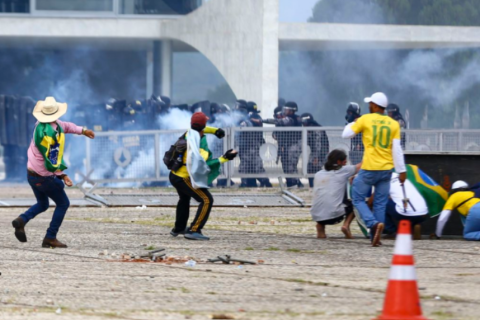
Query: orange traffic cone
(402,301)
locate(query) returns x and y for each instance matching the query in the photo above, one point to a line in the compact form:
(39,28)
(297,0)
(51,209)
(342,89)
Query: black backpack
(173,158)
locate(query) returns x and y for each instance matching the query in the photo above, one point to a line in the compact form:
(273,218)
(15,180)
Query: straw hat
(49,110)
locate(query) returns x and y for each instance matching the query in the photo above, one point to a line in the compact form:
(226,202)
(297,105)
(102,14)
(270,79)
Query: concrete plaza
(301,277)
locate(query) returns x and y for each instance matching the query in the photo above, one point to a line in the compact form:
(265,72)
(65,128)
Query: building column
(166,68)
(150,70)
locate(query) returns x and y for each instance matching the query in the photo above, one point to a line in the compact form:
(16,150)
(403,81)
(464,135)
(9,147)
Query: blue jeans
(362,186)
(44,188)
(471,231)
(393,217)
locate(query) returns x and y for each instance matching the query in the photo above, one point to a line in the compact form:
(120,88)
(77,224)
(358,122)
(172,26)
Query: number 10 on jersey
(381,136)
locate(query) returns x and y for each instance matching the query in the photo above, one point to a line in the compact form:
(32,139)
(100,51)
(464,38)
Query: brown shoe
(19,226)
(377,234)
(52,243)
(417,232)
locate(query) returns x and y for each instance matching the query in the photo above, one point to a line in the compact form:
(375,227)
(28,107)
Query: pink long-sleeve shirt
(36,162)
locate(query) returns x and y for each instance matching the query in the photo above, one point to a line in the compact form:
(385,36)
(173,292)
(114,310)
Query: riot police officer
(393,112)
(356,148)
(256,141)
(318,143)
(289,142)
(244,144)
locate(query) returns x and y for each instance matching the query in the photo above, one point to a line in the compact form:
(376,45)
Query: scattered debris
(59,311)
(438,298)
(49,301)
(143,207)
(324,294)
(221,316)
(260,261)
(191,263)
(227,259)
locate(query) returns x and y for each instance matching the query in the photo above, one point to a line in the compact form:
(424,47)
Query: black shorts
(348,209)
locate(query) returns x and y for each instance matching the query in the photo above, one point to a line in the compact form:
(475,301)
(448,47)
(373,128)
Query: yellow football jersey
(378,132)
(460,197)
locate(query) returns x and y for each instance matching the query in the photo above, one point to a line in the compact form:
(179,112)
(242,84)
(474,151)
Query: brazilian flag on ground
(435,195)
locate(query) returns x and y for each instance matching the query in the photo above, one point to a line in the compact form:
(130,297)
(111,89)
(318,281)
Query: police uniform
(289,144)
(246,147)
(319,146)
(356,145)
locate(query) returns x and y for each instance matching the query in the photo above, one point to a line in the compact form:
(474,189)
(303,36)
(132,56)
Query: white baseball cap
(459,184)
(379,98)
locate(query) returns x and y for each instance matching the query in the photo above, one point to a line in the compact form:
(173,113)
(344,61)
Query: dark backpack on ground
(173,158)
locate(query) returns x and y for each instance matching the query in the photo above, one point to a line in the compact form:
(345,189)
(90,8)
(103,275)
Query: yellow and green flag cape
(434,194)
(50,143)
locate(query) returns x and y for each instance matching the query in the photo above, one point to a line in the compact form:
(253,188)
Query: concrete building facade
(244,50)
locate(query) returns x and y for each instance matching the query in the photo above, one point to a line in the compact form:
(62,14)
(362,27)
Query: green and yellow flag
(434,194)
(50,143)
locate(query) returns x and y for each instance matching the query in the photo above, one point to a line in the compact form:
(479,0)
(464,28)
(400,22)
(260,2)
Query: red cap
(199,121)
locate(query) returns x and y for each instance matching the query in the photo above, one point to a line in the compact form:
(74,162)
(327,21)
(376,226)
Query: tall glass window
(161,7)
(14,6)
(75,5)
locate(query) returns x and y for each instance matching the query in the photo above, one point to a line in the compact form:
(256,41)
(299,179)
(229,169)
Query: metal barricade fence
(268,152)
(136,156)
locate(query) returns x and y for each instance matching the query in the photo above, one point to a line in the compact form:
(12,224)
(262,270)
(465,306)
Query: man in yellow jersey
(383,152)
(467,203)
(193,178)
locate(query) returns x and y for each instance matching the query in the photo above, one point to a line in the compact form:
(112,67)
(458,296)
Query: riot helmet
(290,108)
(277,113)
(224,108)
(252,107)
(166,100)
(353,112)
(241,106)
(393,110)
(307,119)
(214,108)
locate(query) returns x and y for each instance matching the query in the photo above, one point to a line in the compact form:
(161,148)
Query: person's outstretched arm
(442,220)
(353,128)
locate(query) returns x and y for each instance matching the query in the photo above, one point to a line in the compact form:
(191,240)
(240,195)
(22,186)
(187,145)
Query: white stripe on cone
(402,273)
(403,245)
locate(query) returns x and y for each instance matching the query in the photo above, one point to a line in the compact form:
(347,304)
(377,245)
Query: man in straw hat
(45,168)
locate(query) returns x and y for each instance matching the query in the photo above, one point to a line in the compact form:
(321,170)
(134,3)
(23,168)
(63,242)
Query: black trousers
(186,191)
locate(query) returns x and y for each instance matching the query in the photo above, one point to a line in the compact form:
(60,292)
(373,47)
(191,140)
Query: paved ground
(302,277)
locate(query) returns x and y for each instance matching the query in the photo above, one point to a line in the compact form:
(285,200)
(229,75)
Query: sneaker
(19,226)
(376,232)
(174,233)
(196,236)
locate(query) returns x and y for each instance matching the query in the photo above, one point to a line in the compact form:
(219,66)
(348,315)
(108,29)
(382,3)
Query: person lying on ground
(330,204)
(467,202)
(45,169)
